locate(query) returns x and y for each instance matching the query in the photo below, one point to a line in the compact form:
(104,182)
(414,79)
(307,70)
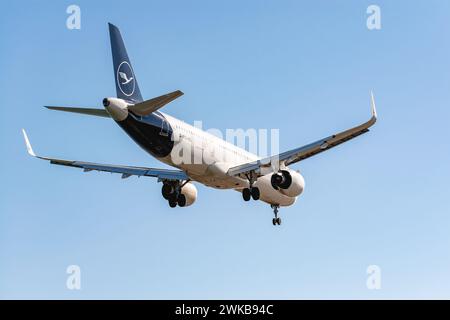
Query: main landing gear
(276,220)
(251,192)
(171,191)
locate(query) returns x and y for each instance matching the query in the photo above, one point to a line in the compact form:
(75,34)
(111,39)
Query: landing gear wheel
(246,194)
(255,193)
(274,221)
(166,191)
(278,221)
(172,203)
(181,200)
(251,192)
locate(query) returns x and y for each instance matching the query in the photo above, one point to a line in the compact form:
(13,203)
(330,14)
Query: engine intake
(288,182)
(105,102)
(281,180)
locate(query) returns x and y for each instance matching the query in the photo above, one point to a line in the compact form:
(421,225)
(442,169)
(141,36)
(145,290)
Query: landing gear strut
(276,220)
(251,192)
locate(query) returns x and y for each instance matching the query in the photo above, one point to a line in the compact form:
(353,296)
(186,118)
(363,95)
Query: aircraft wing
(268,164)
(126,171)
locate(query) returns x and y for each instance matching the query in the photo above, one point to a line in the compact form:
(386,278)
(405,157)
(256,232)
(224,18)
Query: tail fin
(126,84)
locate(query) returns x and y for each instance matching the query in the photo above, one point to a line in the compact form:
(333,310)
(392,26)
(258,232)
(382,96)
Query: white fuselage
(207,158)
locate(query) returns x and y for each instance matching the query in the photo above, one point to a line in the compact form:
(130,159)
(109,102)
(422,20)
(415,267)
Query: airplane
(268,179)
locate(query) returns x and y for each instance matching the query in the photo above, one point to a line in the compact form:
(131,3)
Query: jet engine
(288,182)
(188,195)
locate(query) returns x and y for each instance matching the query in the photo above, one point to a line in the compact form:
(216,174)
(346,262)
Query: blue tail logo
(125,78)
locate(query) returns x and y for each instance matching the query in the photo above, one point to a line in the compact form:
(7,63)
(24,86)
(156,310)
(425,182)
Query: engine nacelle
(117,108)
(288,182)
(189,191)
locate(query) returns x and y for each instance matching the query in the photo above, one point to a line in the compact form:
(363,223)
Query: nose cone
(117,108)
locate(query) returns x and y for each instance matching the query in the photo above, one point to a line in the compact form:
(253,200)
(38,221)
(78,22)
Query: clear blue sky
(304,67)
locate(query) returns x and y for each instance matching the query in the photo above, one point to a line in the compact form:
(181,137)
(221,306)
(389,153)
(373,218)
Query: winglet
(28,144)
(372,105)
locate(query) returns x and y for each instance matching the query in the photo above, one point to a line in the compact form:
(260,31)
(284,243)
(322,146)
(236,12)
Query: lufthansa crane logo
(125,78)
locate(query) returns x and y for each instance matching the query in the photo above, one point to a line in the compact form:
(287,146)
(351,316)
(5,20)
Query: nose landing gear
(276,220)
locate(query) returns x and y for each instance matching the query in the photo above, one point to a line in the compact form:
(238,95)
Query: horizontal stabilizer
(88,111)
(146,107)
